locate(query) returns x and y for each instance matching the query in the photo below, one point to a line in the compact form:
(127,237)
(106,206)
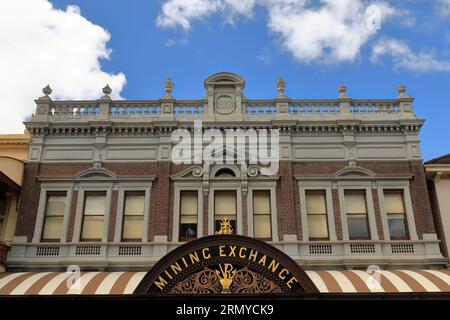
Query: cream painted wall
(443,205)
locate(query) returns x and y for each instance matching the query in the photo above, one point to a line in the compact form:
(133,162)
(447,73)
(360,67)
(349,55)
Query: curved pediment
(355,172)
(94,174)
(224,78)
(225,170)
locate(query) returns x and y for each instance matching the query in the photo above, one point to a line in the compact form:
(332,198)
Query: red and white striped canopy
(124,283)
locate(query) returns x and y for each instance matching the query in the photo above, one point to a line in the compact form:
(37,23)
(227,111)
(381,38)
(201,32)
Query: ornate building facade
(101,190)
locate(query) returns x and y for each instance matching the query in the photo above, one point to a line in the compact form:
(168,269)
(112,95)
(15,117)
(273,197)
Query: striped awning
(118,283)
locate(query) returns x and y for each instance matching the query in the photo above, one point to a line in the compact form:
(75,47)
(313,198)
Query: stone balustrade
(141,255)
(236,108)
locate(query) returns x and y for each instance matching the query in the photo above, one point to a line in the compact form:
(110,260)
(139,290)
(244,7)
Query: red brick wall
(245,214)
(287,211)
(161,202)
(421,200)
(376,205)
(337,214)
(113,215)
(73,209)
(29,202)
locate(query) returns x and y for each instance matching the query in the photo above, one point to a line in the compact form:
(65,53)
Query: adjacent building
(438,175)
(101,190)
(13,154)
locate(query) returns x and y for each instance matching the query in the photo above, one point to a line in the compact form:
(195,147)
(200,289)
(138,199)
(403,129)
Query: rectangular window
(317,215)
(262,214)
(188,215)
(225,207)
(93,216)
(54,216)
(133,216)
(356,210)
(396,214)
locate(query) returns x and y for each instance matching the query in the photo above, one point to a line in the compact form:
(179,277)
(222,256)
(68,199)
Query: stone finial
(401,89)
(281,86)
(47,90)
(168,87)
(342,91)
(107,90)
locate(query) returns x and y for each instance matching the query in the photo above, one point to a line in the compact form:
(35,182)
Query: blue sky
(146,52)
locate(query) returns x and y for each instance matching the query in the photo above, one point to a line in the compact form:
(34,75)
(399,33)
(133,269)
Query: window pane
(397,226)
(355,202)
(56,205)
(189,203)
(317,226)
(188,231)
(225,203)
(134,204)
(357,227)
(95,203)
(188,219)
(52,228)
(261,202)
(393,202)
(315,202)
(262,227)
(132,227)
(92,228)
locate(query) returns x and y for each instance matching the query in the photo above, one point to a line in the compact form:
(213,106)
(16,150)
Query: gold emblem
(225,227)
(226,275)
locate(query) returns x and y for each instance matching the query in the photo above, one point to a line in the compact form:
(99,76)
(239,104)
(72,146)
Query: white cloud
(443,8)
(325,31)
(333,32)
(178,13)
(40,45)
(404,58)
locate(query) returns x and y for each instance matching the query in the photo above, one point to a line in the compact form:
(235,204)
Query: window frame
(327,186)
(409,211)
(83,189)
(84,216)
(123,188)
(183,186)
(124,217)
(252,194)
(263,185)
(233,185)
(369,231)
(49,194)
(324,192)
(236,226)
(40,216)
(180,215)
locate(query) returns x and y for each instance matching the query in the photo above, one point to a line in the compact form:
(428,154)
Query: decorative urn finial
(342,89)
(281,86)
(47,90)
(107,90)
(168,87)
(401,89)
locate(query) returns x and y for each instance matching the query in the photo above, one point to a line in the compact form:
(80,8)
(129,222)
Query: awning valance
(124,283)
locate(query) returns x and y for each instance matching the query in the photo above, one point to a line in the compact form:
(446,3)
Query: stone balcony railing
(251,110)
(141,256)
(170,109)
